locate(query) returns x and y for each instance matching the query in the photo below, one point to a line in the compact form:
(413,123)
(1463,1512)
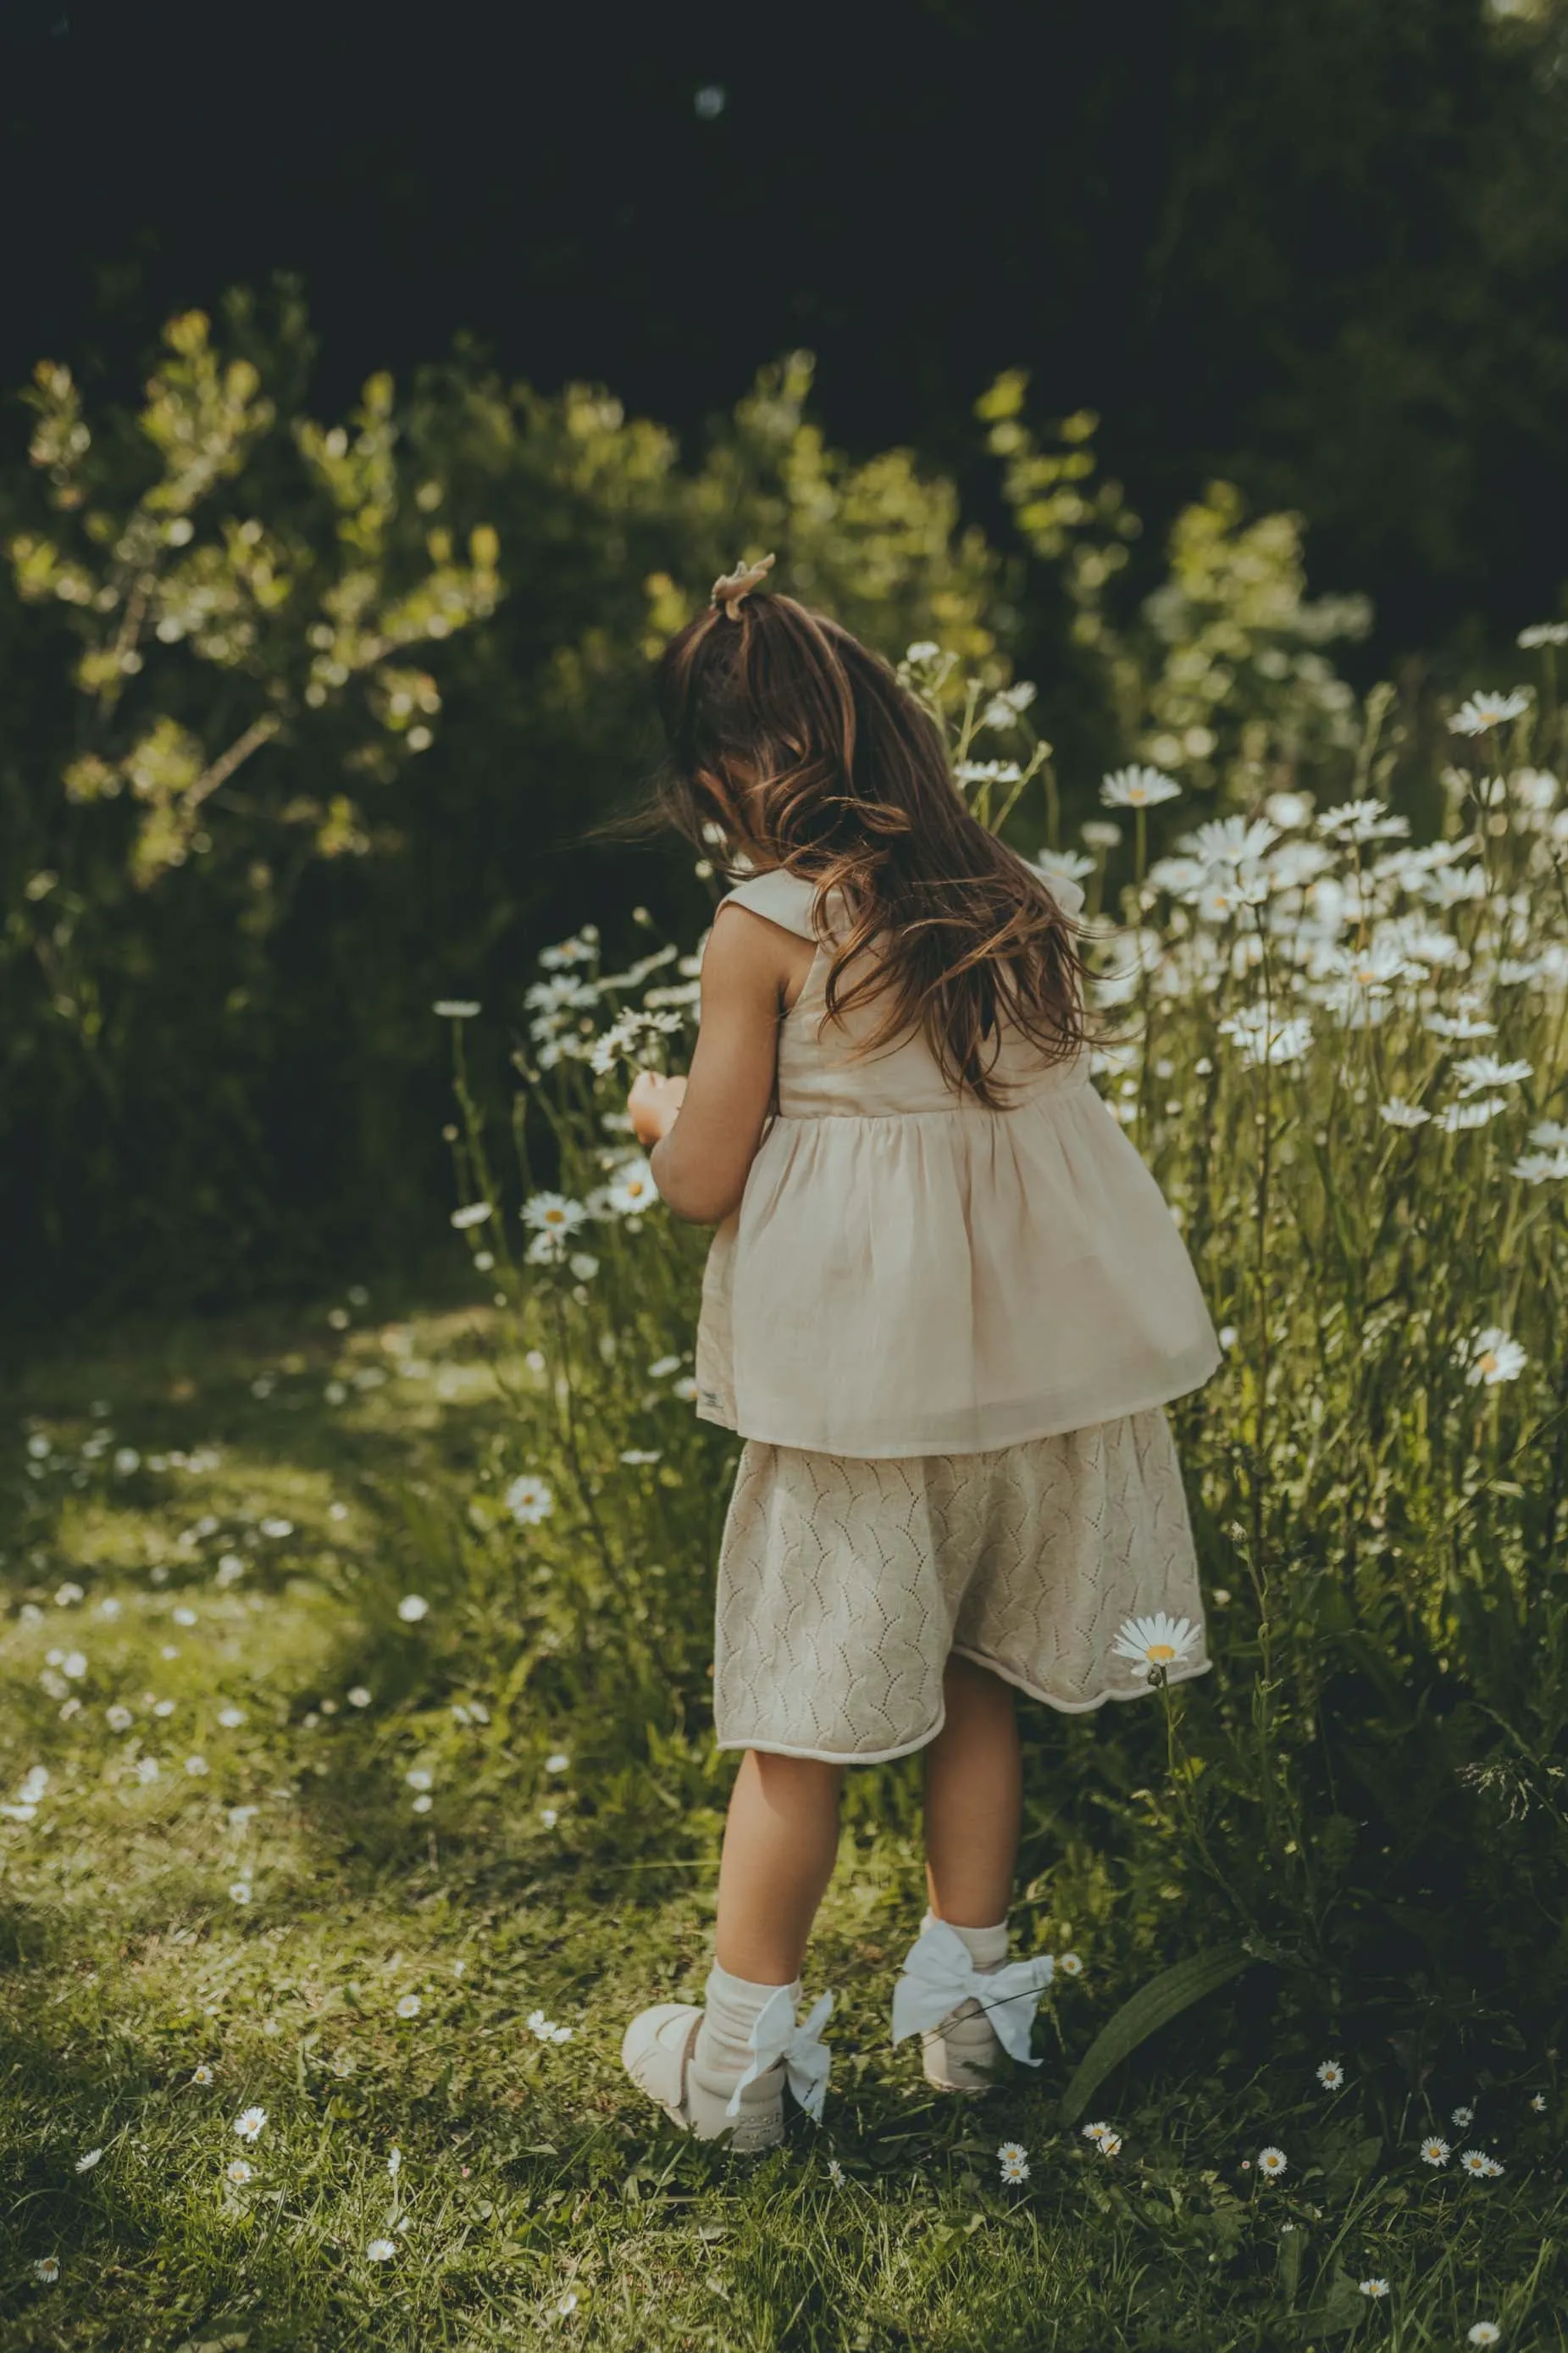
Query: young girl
(944,1308)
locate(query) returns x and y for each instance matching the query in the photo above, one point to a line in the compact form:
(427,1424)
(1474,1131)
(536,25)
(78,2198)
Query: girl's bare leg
(780,1844)
(973,1799)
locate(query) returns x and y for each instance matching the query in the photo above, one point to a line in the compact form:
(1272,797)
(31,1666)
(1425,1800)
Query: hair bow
(776,2036)
(939,1975)
(731,586)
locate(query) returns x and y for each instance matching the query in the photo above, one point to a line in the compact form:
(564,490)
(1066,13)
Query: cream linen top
(909,1272)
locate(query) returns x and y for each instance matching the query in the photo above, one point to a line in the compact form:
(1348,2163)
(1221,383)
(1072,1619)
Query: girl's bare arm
(708,1135)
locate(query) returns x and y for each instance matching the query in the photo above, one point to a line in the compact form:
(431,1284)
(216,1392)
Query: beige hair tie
(731,588)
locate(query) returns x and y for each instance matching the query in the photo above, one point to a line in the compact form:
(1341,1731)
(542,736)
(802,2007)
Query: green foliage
(1153,2006)
(308,718)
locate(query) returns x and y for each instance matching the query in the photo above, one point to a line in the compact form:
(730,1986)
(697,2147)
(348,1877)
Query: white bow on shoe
(939,1975)
(776,2036)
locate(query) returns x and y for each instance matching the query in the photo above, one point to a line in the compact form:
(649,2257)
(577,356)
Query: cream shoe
(966,2016)
(658,2051)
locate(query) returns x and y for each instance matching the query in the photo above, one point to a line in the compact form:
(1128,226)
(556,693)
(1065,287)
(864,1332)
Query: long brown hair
(805,751)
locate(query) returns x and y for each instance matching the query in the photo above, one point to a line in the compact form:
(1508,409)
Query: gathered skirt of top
(844,1583)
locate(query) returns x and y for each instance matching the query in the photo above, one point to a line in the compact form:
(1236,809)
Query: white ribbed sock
(731,2007)
(986,1948)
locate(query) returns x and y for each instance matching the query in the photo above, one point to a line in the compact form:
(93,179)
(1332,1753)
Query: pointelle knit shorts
(844,1584)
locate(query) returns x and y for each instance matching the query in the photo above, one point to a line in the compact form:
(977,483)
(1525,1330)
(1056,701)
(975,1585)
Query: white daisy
(1479,1070)
(1540,1168)
(412,1608)
(1464,1024)
(633,1190)
(85,2163)
(1436,2151)
(1362,820)
(1550,1134)
(567,2304)
(1459,1117)
(239,1893)
(472,1213)
(1070,1965)
(1483,712)
(47,2270)
(359,1696)
(530,1499)
(553,1213)
(1156,1641)
(1474,2161)
(455,1009)
(1375,2287)
(1538,2102)
(1400,1113)
(1484,2332)
(558,1762)
(1264,1037)
(1542,633)
(1229,841)
(419,1777)
(1271,2163)
(1138,787)
(237,2170)
(409,2006)
(1014,2160)
(1490,1356)
(836,2173)
(248,2123)
(381,2250)
(1331,2075)
(1462,2116)
(201,2074)
(1492,2168)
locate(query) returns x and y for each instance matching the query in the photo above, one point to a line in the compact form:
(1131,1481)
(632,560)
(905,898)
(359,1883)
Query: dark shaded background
(1317,244)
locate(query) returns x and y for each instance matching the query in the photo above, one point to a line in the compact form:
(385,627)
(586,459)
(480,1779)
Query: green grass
(529,2171)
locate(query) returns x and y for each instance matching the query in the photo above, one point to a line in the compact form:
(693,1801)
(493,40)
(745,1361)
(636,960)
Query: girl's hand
(653,1102)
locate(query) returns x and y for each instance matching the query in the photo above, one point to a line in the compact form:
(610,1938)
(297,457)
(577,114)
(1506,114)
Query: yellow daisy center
(1487,1361)
(1159,1652)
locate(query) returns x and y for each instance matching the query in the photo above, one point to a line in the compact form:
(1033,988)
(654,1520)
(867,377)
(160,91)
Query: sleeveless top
(909,1272)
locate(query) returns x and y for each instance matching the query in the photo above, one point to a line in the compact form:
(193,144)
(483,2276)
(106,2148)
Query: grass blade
(1164,1998)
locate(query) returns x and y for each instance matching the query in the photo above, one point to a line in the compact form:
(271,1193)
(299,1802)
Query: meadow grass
(264,1919)
(358,1761)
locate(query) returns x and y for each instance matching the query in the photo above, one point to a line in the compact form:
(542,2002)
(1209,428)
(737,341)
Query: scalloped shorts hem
(764,1747)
